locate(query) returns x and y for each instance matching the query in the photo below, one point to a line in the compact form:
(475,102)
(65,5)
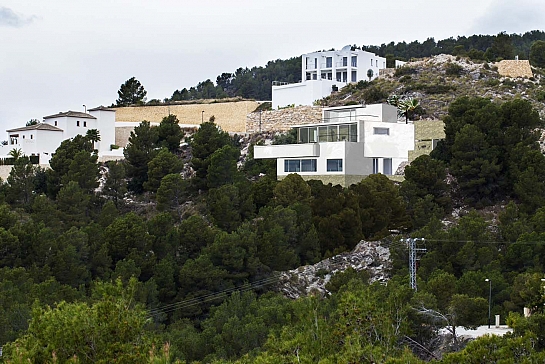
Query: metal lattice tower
(413,258)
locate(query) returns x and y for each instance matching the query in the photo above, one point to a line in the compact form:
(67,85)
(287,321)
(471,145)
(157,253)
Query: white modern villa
(44,138)
(349,144)
(324,71)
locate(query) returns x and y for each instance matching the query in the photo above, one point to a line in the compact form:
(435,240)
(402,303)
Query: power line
(211,296)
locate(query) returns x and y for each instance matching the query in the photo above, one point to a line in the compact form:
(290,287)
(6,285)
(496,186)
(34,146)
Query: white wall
(304,93)
(395,145)
(106,126)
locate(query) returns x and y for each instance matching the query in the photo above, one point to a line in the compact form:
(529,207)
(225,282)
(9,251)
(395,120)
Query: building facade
(44,138)
(322,72)
(350,143)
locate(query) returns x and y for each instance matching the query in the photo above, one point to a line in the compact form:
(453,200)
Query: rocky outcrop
(311,279)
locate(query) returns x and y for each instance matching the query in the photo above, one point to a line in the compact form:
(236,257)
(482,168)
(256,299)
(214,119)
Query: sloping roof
(39,126)
(101,108)
(70,114)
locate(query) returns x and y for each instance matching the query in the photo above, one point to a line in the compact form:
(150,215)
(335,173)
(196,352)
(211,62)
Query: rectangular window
(315,63)
(371,62)
(332,133)
(31,136)
(354,61)
(377,63)
(308,165)
(322,134)
(353,76)
(300,165)
(345,61)
(293,165)
(353,133)
(375,165)
(344,131)
(308,77)
(387,166)
(381,131)
(55,122)
(338,77)
(334,165)
(328,62)
(85,124)
(77,123)
(344,76)
(314,76)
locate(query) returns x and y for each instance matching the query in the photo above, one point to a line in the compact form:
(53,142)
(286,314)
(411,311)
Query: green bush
(405,79)
(405,70)
(453,69)
(374,94)
(492,82)
(540,96)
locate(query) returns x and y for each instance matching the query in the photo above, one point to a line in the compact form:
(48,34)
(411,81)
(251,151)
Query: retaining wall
(283,119)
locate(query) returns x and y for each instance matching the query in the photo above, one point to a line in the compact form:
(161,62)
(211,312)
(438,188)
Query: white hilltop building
(325,71)
(44,138)
(349,144)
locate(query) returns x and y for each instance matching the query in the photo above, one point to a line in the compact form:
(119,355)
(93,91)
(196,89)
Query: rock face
(311,279)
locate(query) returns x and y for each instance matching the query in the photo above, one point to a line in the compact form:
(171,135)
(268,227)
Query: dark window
(334,165)
(55,122)
(77,123)
(375,165)
(308,165)
(300,165)
(381,131)
(85,124)
(328,62)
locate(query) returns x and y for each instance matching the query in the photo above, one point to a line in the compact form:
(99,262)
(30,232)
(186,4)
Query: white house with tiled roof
(44,138)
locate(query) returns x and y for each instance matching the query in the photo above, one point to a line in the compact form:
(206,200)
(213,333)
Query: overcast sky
(57,55)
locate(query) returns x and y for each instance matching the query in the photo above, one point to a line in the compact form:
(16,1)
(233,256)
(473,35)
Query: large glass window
(306,135)
(354,61)
(375,165)
(353,76)
(334,165)
(353,133)
(328,62)
(344,131)
(387,166)
(299,165)
(292,165)
(308,165)
(345,61)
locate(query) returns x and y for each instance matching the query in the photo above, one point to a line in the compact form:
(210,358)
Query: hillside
(439,80)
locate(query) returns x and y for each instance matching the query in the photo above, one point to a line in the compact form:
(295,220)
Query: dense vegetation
(170,254)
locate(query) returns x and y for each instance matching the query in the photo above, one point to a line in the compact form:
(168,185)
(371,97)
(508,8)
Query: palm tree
(15,153)
(93,135)
(408,106)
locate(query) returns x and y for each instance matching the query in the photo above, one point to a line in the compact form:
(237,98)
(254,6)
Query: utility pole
(413,258)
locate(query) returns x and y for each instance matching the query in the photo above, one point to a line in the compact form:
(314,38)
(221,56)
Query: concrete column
(497,321)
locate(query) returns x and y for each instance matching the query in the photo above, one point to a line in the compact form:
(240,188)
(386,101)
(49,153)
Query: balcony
(287,151)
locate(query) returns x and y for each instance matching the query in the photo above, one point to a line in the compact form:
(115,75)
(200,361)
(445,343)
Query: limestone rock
(311,279)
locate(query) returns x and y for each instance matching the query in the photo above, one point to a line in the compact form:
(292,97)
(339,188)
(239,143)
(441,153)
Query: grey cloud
(8,18)
(511,16)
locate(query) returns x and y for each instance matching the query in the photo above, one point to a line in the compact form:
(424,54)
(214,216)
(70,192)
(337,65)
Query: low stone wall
(4,170)
(425,131)
(283,119)
(230,116)
(515,68)
(429,129)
